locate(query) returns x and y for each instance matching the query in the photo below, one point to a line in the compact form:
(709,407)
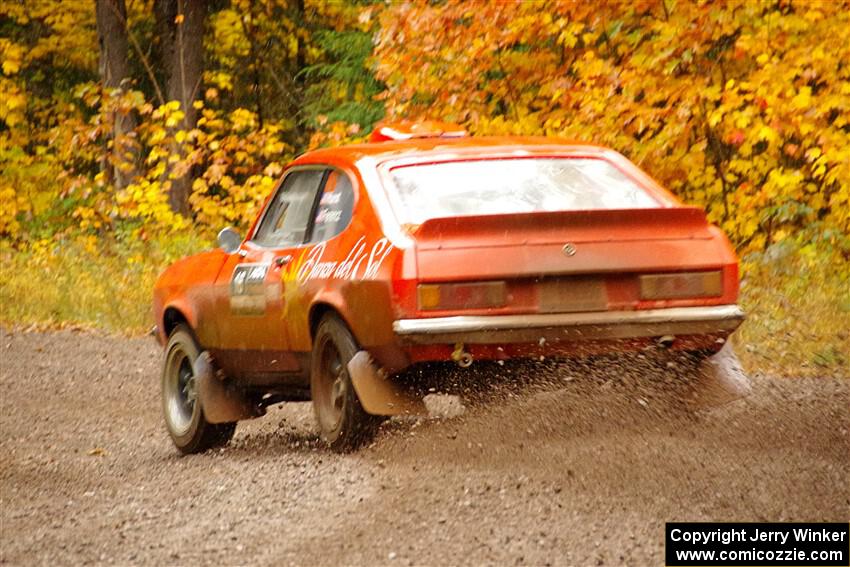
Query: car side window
(335,207)
(288,217)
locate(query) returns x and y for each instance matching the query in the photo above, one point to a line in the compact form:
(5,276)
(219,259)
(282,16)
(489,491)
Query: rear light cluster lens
(477,295)
(681,285)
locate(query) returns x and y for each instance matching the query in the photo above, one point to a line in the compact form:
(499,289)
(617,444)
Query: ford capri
(428,245)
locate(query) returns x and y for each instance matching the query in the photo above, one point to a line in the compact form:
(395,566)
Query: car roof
(468,145)
(471,147)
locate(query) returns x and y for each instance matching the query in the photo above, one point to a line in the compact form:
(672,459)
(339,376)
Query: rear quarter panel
(351,274)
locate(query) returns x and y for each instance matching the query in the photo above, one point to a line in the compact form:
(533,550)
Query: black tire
(184,416)
(343,422)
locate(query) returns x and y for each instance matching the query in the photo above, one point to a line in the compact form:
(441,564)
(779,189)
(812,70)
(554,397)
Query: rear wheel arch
(364,306)
(319,310)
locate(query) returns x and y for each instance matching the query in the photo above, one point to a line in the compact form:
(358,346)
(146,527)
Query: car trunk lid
(564,243)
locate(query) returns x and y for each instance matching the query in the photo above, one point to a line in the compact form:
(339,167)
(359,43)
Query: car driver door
(251,290)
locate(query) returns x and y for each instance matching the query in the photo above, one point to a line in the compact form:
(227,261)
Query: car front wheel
(343,423)
(184,416)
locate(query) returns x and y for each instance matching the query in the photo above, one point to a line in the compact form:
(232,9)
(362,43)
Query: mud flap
(719,380)
(379,395)
(220,401)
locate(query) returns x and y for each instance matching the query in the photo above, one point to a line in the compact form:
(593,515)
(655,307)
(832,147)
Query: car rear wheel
(343,423)
(184,416)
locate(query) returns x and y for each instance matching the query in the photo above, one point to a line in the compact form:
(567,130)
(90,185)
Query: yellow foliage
(11,54)
(798,306)
(238,163)
(88,280)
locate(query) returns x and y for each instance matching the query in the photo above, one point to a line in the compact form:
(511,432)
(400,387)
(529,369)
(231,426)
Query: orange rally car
(429,245)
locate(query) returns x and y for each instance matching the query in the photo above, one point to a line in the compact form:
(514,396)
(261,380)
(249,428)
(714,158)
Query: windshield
(522,185)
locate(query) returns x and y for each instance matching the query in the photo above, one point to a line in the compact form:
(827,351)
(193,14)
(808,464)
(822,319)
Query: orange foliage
(739,106)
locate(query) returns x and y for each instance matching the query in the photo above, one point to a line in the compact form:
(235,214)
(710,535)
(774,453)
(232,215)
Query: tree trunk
(180,29)
(119,165)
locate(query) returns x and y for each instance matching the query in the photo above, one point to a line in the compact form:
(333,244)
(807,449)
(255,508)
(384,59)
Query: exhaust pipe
(461,356)
(666,341)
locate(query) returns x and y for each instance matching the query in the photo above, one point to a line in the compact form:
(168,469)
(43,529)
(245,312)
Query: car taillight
(475,295)
(681,285)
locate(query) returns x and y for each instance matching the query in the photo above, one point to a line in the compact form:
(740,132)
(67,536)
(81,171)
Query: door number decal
(247,293)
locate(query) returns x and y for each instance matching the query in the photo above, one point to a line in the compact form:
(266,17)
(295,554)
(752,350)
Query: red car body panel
(369,273)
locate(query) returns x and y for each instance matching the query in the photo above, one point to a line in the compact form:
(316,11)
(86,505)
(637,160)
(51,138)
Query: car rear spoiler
(625,224)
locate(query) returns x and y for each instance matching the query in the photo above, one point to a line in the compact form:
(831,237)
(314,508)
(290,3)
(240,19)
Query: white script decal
(358,264)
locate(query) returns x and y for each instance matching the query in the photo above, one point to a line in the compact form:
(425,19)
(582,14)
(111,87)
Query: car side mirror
(229,240)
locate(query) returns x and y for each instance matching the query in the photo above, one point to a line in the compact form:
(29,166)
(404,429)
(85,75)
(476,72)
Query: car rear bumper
(603,325)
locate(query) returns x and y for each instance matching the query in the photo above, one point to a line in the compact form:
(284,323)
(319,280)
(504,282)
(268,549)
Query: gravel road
(583,471)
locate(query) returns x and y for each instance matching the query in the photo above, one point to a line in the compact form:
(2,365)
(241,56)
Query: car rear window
(500,186)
